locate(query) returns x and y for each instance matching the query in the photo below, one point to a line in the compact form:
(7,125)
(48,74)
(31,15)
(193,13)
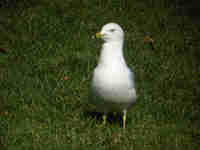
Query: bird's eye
(112,30)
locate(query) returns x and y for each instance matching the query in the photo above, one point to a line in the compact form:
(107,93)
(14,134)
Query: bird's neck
(112,53)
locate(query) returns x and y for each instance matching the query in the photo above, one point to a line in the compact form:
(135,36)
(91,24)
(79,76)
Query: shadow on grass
(112,117)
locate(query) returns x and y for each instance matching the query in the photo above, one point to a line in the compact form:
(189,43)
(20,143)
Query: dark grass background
(42,42)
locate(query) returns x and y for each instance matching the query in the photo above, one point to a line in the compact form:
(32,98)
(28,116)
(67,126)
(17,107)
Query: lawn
(48,54)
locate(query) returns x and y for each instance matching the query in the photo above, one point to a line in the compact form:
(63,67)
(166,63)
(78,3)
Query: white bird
(113,85)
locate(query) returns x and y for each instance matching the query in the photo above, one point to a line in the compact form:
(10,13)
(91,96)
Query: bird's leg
(104,118)
(124,119)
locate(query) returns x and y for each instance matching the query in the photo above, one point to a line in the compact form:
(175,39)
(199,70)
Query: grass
(47,41)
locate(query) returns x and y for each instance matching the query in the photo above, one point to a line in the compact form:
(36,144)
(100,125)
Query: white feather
(113,83)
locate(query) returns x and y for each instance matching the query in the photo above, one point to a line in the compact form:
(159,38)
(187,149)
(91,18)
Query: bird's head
(111,32)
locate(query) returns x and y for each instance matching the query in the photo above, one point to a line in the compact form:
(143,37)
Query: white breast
(114,85)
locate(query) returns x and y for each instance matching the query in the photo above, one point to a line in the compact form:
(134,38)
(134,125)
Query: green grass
(49,40)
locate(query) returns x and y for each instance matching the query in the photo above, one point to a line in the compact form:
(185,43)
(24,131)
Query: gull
(113,86)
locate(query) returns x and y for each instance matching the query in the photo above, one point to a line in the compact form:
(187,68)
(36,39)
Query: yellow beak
(99,35)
